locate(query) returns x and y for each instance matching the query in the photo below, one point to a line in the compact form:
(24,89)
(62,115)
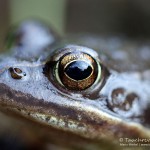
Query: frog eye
(77,70)
(16,73)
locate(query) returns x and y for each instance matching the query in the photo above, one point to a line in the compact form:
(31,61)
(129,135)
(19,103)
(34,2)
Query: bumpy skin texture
(115,107)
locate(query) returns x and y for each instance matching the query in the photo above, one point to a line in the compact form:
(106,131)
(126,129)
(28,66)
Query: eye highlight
(77,70)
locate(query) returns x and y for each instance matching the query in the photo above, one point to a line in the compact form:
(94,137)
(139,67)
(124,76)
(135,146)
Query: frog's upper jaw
(76,116)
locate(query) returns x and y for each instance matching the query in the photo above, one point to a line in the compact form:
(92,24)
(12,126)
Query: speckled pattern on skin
(92,113)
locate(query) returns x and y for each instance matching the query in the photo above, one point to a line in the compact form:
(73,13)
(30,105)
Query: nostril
(16,73)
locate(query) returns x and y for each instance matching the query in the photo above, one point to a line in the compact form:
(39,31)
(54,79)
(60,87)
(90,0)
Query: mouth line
(57,122)
(83,129)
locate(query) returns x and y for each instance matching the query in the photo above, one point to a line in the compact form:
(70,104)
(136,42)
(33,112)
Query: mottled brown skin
(47,115)
(60,137)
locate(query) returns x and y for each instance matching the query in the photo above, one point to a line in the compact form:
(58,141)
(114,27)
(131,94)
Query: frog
(89,93)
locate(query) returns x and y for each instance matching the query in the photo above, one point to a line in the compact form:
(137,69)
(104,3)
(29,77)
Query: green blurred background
(114,17)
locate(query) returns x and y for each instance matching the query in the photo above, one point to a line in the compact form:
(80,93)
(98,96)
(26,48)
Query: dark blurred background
(114,17)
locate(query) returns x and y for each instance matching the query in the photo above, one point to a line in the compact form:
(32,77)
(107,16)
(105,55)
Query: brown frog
(72,97)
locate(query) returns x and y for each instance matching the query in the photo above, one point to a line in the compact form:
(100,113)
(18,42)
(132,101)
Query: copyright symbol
(121,139)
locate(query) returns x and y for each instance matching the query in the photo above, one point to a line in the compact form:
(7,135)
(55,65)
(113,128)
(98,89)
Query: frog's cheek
(124,103)
(126,97)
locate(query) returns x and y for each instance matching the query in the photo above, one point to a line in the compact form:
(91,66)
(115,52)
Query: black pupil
(78,70)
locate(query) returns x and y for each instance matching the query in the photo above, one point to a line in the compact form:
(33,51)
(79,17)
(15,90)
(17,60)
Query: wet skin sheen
(110,100)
